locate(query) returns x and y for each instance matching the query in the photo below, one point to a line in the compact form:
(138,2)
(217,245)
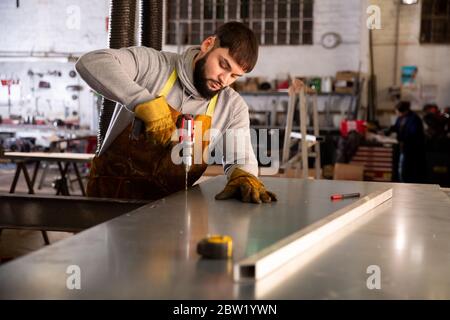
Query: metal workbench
(63,159)
(150,253)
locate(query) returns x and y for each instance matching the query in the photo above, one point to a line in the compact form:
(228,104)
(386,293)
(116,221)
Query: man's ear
(207,44)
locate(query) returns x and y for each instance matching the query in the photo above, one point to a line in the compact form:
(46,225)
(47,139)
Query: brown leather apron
(139,169)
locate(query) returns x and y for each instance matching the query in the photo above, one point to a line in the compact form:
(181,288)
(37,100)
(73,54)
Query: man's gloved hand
(247,187)
(157,118)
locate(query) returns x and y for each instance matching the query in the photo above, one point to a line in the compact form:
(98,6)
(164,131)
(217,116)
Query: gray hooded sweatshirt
(134,75)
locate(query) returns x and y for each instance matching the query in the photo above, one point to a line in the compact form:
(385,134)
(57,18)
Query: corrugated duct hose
(122,34)
(122,14)
(152,23)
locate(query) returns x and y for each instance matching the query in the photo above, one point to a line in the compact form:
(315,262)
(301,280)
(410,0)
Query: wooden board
(49,156)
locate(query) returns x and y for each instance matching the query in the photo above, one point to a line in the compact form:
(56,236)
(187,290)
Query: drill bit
(187,167)
(187,138)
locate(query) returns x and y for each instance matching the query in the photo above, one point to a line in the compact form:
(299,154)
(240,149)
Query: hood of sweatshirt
(185,71)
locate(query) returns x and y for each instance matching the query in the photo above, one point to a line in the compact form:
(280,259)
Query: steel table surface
(150,253)
(69,214)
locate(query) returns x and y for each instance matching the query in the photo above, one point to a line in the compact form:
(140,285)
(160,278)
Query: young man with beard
(157,88)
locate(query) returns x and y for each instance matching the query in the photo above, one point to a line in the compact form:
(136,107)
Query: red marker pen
(345,196)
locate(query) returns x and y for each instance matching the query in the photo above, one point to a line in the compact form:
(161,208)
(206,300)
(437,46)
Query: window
(435,25)
(275,22)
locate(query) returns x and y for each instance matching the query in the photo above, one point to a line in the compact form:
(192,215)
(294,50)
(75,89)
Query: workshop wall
(348,19)
(431,60)
(342,17)
(67,26)
(47,90)
(58,28)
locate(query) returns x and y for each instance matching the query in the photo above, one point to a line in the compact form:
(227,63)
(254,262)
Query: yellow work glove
(157,118)
(246,187)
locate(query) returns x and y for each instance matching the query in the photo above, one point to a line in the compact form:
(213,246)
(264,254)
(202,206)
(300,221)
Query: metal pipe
(397,28)
(152,23)
(121,34)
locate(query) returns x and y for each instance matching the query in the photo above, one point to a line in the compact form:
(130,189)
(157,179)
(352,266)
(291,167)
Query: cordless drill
(187,140)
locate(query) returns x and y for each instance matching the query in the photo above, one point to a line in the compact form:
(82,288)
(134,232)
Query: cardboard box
(346,82)
(344,171)
(298,173)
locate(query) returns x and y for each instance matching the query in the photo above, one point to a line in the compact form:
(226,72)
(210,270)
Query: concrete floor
(15,243)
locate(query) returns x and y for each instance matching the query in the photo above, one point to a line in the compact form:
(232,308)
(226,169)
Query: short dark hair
(403,106)
(241,42)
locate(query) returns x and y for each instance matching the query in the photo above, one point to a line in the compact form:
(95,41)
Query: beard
(200,80)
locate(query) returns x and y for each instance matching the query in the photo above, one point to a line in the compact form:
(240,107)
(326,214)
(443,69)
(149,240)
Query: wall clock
(330,40)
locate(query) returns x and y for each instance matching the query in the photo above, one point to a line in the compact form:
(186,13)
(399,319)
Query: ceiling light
(409,1)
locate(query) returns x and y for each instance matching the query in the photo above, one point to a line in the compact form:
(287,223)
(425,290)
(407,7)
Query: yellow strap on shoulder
(171,81)
(169,84)
(212,106)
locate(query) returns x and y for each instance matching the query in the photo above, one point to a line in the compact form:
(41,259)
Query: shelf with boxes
(339,98)
(269,108)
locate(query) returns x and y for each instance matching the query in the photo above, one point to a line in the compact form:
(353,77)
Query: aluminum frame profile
(273,257)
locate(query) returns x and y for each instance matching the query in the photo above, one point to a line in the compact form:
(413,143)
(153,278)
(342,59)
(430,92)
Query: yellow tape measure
(215,247)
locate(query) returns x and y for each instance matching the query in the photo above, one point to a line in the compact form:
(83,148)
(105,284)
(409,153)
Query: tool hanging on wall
(55,73)
(31,73)
(9,83)
(74,87)
(44,85)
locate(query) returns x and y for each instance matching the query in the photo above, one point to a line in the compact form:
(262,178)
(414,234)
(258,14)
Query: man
(435,124)
(158,87)
(411,139)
